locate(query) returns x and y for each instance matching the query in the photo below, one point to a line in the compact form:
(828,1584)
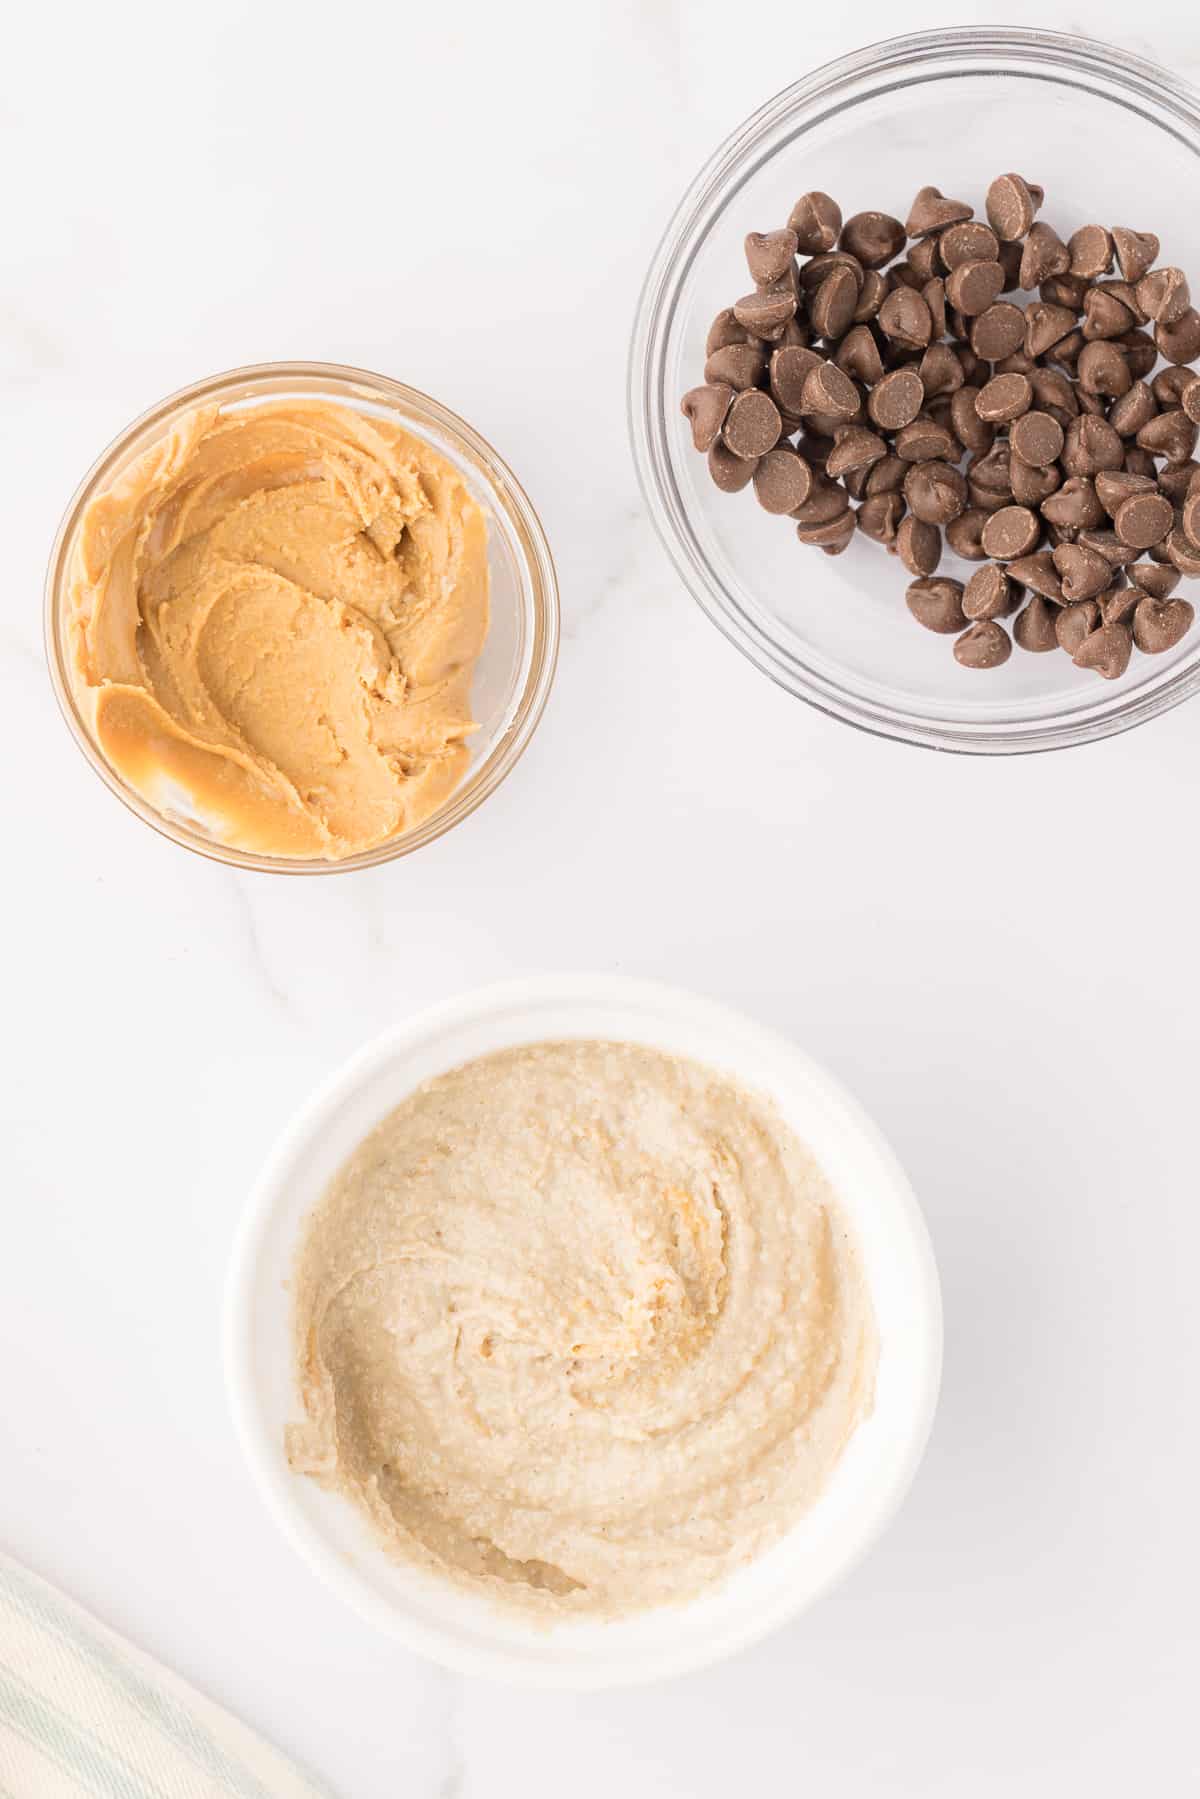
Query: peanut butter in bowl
(273,617)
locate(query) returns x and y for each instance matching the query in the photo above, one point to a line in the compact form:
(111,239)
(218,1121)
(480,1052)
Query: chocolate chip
(973,433)
(1115,486)
(1104,315)
(833,535)
(1189,399)
(766,311)
(826,501)
(932,211)
(925,440)
(1132,410)
(1085,573)
(1176,480)
(936,492)
(968,242)
(1115,552)
(1091,252)
(923,258)
(1118,605)
(828,390)
(831,310)
(816,221)
(819,269)
(1033,627)
(1163,295)
(1066,350)
(973,286)
(752,425)
(1139,351)
(992,473)
(897,400)
(965,534)
(1168,387)
(1189,517)
(1004,398)
(906,319)
(1159,625)
(855,448)
(858,355)
(1064,290)
(1183,553)
(1143,519)
(1036,438)
(1053,393)
(989,593)
(1011,532)
(1171,434)
(1011,205)
(937,603)
(983,645)
(888,475)
(918,545)
(1073,624)
(1180,342)
(782,481)
(1140,462)
(940,371)
(790,368)
(769,255)
(729,472)
(1046,326)
(1044,256)
(1039,575)
(1102,369)
(934,295)
(870,296)
(1107,650)
(723,331)
(1091,444)
(1009,258)
(1137,251)
(998,332)
(737,365)
(873,237)
(705,409)
(1076,506)
(1157,579)
(879,516)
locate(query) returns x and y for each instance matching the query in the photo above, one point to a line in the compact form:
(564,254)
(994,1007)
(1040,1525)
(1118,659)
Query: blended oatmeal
(275,614)
(580,1325)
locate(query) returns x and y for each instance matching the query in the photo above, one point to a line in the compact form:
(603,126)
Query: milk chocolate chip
(816,221)
(1011,205)
(983,645)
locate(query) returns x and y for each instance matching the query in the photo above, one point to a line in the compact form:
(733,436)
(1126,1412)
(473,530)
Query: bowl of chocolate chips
(915,390)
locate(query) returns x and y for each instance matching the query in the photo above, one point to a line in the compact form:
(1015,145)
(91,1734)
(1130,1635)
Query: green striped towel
(85,1715)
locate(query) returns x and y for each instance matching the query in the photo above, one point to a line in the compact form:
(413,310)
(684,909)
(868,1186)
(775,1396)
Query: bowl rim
(678,246)
(540,597)
(250,1264)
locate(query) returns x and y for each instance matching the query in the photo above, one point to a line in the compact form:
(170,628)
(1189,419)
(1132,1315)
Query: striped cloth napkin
(85,1715)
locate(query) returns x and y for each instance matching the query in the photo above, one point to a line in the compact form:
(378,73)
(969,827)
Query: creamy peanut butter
(274,617)
(580,1325)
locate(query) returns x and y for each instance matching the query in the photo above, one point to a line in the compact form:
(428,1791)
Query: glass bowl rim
(734,160)
(539,600)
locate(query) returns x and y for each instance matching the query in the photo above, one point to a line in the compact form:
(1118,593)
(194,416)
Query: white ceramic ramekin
(461,1630)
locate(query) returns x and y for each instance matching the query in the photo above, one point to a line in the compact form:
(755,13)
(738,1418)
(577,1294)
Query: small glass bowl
(514,673)
(1109,137)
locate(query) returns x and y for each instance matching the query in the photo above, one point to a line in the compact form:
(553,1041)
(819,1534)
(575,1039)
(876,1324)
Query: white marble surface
(999,957)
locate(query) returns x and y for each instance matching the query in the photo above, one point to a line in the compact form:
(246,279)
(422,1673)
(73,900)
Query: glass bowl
(514,672)
(1110,138)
